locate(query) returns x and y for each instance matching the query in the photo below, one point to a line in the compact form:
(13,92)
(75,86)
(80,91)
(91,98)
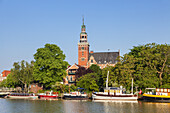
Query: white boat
(114,94)
(75,96)
(22,96)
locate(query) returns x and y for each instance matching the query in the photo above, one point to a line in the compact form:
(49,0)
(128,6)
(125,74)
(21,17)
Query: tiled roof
(105,57)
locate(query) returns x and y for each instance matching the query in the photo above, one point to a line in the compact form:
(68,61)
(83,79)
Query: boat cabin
(115,90)
(158,91)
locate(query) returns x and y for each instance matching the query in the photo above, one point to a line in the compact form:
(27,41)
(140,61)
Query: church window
(91,60)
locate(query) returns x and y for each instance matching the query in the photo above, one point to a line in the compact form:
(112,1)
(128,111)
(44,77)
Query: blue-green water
(71,106)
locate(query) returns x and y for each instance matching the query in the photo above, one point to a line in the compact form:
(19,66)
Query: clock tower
(83,47)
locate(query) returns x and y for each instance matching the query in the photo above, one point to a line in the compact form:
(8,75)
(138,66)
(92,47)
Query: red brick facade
(83,47)
(5,73)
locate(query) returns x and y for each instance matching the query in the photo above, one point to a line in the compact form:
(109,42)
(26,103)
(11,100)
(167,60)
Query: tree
(49,66)
(89,82)
(21,74)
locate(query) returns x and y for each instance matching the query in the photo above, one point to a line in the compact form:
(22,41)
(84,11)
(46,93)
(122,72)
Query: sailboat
(114,93)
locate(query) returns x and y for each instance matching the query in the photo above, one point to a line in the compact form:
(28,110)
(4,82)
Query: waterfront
(71,106)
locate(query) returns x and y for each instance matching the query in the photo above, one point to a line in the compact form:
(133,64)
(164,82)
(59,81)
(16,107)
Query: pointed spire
(83,20)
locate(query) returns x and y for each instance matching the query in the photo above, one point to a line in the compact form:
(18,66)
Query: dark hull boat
(75,96)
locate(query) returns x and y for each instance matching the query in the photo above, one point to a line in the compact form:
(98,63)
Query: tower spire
(83,20)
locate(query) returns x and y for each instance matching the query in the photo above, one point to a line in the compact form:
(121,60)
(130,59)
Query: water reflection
(70,106)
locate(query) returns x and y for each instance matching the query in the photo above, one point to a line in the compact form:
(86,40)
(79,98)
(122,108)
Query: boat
(77,95)
(48,95)
(3,94)
(114,94)
(22,96)
(157,95)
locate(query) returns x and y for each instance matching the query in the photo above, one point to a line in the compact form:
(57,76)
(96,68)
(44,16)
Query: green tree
(89,82)
(49,66)
(21,75)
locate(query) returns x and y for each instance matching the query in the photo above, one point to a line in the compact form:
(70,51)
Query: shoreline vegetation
(148,65)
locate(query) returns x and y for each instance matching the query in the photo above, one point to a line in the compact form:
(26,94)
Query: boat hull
(114,97)
(75,97)
(48,96)
(22,97)
(156,98)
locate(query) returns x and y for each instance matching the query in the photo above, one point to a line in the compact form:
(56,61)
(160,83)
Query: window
(82,48)
(82,53)
(67,78)
(82,59)
(85,36)
(71,78)
(99,62)
(91,60)
(82,36)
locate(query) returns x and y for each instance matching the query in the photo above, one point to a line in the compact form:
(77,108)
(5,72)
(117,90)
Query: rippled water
(71,106)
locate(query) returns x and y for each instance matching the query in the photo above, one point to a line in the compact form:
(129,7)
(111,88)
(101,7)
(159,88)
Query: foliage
(89,82)
(49,66)
(21,75)
(148,65)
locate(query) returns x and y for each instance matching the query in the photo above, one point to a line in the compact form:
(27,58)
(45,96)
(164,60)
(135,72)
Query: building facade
(83,47)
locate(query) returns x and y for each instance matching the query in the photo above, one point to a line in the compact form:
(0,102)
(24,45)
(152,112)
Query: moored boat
(22,96)
(77,95)
(3,94)
(157,95)
(48,95)
(114,93)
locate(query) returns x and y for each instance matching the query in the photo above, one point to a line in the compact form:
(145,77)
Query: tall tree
(49,66)
(21,74)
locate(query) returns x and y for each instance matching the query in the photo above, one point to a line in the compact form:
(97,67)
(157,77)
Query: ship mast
(107,80)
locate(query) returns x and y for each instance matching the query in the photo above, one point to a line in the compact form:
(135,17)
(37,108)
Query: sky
(26,25)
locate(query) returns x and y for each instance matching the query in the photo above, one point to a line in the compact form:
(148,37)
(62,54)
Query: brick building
(5,73)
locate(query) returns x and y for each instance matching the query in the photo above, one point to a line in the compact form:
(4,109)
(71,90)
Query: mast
(132,86)
(107,80)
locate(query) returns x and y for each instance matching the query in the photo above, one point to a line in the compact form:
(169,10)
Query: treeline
(148,65)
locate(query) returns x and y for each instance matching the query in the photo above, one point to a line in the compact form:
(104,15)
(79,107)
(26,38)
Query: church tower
(83,47)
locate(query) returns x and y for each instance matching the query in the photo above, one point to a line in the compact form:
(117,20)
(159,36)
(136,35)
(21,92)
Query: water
(71,106)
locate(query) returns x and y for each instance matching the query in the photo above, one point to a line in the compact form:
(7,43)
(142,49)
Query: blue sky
(26,25)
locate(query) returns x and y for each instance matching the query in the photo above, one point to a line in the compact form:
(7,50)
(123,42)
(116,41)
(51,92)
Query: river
(72,106)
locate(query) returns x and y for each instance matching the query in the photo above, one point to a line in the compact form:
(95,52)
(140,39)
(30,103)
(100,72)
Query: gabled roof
(73,66)
(105,57)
